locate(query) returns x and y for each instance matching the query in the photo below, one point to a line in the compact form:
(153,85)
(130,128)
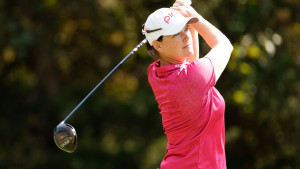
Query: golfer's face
(178,46)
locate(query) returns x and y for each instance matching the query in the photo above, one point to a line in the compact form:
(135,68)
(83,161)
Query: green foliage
(52,53)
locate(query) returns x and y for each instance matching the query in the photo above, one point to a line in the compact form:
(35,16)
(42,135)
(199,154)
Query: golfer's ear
(157,45)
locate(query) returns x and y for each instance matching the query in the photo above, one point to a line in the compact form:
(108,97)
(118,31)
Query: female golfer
(191,107)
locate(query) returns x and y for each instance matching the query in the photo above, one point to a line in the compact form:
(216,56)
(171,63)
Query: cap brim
(181,24)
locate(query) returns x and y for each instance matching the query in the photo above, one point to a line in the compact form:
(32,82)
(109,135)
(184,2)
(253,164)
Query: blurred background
(53,53)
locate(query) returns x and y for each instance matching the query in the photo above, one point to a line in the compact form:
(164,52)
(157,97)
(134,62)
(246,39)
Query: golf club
(64,134)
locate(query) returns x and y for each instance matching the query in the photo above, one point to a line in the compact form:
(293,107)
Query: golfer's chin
(189,53)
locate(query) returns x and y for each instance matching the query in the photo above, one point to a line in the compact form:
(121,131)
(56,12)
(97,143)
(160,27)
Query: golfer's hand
(186,11)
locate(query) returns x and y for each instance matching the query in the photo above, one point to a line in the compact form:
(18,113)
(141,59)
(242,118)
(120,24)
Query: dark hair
(152,51)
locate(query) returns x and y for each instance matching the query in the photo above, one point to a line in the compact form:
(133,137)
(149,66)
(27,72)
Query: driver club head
(65,137)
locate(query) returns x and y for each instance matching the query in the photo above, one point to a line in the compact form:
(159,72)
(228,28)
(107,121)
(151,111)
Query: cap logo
(168,17)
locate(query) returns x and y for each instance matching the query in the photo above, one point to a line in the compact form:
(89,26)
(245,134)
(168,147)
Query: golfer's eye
(177,34)
(186,28)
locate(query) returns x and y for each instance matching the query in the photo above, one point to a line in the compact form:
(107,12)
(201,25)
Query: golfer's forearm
(195,44)
(210,33)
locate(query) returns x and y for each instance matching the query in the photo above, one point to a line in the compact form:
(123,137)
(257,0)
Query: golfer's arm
(221,47)
(195,44)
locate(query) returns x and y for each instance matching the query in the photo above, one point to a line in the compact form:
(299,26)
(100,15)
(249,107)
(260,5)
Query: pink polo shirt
(192,113)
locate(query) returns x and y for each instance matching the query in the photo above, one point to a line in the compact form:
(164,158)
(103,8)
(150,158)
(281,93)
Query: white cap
(165,21)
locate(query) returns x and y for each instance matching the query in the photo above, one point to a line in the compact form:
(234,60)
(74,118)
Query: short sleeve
(201,75)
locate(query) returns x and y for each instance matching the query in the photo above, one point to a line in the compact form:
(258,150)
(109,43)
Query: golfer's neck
(164,62)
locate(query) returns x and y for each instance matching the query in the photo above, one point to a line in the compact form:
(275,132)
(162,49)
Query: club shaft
(86,97)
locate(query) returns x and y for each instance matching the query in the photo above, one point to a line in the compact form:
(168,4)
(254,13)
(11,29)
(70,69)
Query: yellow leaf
(245,68)
(254,52)
(239,96)
(9,55)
